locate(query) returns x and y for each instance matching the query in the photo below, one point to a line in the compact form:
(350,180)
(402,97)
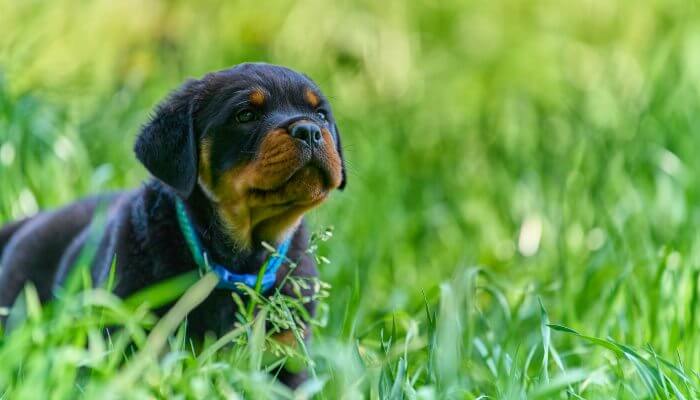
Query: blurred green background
(551,144)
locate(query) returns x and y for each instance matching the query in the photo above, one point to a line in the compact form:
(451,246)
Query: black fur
(167,146)
(7,231)
(140,228)
(33,252)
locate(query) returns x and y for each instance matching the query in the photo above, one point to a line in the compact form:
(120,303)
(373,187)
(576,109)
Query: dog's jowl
(237,158)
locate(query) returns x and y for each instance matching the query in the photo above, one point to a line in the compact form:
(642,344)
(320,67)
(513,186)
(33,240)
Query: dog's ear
(167,145)
(339,148)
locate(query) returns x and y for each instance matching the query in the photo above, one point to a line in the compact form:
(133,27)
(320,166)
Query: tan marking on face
(257,97)
(267,197)
(243,200)
(277,159)
(278,226)
(311,98)
(332,159)
(205,163)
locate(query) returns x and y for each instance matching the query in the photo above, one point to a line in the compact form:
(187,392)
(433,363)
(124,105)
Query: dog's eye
(246,115)
(321,114)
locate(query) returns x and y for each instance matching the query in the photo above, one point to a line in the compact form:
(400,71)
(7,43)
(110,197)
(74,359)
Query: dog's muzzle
(307,132)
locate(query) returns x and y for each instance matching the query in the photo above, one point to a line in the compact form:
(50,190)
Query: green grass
(521,217)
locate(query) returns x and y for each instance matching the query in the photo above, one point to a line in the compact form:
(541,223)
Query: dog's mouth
(274,210)
(263,199)
(308,185)
(290,172)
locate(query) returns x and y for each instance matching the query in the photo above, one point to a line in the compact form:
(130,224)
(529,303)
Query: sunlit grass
(521,217)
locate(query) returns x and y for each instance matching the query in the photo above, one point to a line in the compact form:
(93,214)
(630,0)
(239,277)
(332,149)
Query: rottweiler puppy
(246,152)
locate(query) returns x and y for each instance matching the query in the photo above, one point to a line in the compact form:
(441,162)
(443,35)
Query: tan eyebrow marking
(311,98)
(257,97)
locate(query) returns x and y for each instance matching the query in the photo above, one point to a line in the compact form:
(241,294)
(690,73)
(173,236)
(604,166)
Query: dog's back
(7,231)
(31,249)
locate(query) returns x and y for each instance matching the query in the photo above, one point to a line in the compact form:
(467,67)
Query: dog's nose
(307,132)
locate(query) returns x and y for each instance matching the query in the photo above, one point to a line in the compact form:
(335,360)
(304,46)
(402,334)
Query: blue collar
(227,279)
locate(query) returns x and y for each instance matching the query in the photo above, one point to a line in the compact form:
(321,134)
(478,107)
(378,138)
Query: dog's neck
(217,242)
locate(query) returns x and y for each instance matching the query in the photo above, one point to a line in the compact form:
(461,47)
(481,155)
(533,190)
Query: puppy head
(260,141)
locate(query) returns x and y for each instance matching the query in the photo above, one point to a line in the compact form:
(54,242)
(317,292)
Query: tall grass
(521,213)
